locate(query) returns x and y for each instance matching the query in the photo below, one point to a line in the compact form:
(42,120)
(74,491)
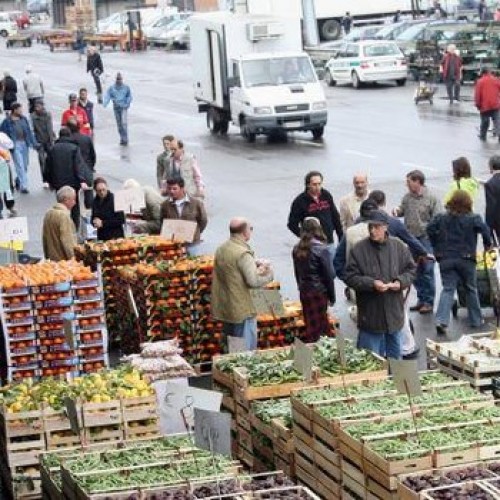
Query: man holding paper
(236,272)
(180,206)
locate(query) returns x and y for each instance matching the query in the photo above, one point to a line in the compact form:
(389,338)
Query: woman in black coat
(9,89)
(109,224)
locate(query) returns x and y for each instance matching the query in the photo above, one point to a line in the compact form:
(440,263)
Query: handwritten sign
(406,378)
(236,344)
(176,401)
(212,431)
(182,230)
(15,229)
(267,301)
(129,200)
(131,302)
(69,333)
(303,359)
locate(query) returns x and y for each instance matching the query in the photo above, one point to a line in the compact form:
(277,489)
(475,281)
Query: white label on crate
(15,229)
(176,402)
(303,359)
(405,375)
(180,230)
(212,431)
(129,200)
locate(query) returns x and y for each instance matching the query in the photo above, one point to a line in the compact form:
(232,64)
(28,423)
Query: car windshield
(411,33)
(263,72)
(386,49)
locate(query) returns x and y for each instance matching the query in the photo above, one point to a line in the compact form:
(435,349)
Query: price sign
(212,431)
(176,402)
(129,200)
(303,359)
(405,375)
(69,333)
(72,412)
(131,302)
(267,301)
(15,229)
(181,230)
(236,344)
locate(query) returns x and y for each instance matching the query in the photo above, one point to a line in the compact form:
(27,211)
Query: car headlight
(262,110)
(319,106)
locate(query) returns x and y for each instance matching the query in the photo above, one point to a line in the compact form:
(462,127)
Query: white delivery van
(250,70)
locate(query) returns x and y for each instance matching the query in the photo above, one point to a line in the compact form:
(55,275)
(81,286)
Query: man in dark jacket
(96,69)
(451,67)
(87,106)
(44,133)
(315,202)
(109,224)
(65,167)
(492,195)
(487,100)
(380,268)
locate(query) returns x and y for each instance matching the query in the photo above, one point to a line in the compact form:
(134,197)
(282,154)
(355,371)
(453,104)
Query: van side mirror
(234,81)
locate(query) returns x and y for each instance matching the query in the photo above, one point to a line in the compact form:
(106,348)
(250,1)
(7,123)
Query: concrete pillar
(311,35)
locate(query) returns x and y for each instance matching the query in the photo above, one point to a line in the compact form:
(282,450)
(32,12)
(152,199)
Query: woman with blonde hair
(313,266)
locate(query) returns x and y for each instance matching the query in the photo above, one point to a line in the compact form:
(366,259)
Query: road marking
(359,153)
(420,167)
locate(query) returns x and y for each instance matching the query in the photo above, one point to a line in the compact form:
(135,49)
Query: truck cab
(251,71)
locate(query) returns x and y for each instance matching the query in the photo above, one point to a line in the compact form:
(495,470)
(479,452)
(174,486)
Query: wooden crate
(22,424)
(137,409)
(282,436)
(50,489)
(101,414)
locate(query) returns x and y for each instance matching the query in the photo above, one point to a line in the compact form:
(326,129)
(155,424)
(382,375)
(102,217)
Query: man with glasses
(236,272)
(315,202)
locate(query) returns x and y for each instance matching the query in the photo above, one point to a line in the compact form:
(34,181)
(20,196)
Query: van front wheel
(213,121)
(318,133)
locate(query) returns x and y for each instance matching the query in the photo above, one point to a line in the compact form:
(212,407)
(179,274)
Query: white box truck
(250,70)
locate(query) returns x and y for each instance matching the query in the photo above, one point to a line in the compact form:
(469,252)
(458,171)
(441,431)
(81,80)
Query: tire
(213,120)
(329,79)
(356,82)
(248,136)
(318,133)
(4,33)
(330,30)
(224,126)
(401,82)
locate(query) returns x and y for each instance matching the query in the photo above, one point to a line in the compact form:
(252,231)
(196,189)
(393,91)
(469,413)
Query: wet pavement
(378,130)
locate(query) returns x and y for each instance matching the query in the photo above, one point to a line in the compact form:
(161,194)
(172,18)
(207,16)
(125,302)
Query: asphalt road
(377,130)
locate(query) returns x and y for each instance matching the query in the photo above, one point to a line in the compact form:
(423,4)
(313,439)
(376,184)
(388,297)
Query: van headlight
(319,106)
(262,110)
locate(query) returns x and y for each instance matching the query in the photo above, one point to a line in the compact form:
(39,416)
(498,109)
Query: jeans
(121,123)
(247,330)
(453,271)
(494,115)
(21,161)
(425,283)
(453,89)
(384,344)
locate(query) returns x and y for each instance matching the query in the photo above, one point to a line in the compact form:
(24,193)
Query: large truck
(329,13)
(250,70)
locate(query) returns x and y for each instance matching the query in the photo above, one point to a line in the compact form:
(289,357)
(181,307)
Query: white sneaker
(46,185)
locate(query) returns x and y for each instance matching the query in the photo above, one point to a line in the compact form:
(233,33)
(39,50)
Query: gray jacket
(387,261)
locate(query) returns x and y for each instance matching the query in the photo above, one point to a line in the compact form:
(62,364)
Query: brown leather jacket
(192,210)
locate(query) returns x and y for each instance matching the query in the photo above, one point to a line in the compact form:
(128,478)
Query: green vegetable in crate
(273,374)
(247,360)
(268,409)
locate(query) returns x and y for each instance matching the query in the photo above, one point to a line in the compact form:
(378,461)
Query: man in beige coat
(236,272)
(58,233)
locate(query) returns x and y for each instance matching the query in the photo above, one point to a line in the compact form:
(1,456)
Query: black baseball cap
(73,97)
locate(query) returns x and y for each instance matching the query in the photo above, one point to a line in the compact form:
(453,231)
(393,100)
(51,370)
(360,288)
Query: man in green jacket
(236,272)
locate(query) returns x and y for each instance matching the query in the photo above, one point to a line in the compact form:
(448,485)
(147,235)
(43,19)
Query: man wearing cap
(77,112)
(121,96)
(33,86)
(379,268)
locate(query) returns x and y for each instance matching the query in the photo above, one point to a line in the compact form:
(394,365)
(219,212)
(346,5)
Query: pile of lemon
(101,387)
(486,260)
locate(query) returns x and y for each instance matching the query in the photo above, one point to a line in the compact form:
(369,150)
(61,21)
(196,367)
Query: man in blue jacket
(18,128)
(121,96)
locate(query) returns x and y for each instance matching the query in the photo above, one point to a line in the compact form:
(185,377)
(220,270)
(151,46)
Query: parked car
(178,35)
(367,61)
(117,23)
(155,31)
(7,26)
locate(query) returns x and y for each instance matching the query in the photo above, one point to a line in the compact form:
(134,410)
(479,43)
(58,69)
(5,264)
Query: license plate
(384,64)
(292,124)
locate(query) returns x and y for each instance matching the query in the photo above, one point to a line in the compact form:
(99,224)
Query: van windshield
(276,71)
